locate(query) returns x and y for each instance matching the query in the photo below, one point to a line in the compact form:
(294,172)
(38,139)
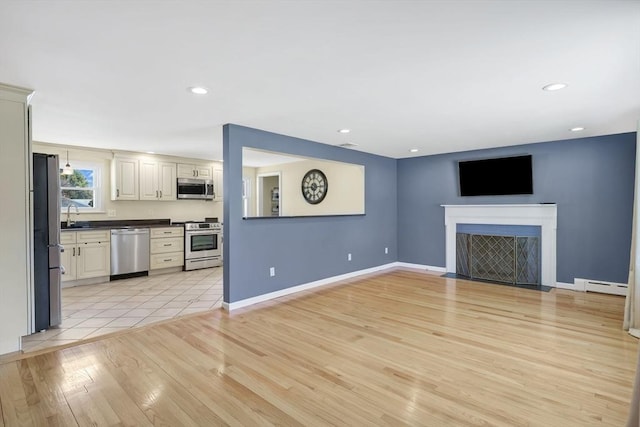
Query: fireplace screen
(509,259)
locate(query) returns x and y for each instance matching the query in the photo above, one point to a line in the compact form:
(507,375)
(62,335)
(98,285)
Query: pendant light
(67,170)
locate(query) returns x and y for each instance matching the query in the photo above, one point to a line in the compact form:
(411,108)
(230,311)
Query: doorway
(269,189)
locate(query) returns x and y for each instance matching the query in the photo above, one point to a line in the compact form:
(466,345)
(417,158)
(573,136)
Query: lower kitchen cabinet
(86,254)
(166,247)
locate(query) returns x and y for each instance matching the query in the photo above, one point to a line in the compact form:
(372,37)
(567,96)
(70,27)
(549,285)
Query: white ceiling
(440,76)
(259,158)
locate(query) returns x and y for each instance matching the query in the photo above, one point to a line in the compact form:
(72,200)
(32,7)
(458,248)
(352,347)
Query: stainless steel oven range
(202,245)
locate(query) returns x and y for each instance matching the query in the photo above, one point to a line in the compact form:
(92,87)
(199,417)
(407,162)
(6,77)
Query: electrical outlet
(111,212)
(272,271)
(348,257)
(386,250)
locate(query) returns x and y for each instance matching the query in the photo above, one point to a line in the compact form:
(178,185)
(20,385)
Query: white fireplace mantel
(543,215)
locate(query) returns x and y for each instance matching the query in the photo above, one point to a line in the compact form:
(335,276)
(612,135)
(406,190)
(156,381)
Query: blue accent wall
(304,249)
(590,179)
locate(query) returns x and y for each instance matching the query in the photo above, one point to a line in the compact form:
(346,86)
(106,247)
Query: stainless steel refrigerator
(46,241)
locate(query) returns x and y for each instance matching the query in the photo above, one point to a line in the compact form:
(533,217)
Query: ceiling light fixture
(67,170)
(554,86)
(151,152)
(344,130)
(414,150)
(199,90)
(348,145)
(576,129)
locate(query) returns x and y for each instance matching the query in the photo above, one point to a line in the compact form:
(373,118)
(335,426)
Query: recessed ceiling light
(348,145)
(344,130)
(414,150)
(151,152)
(554,86)
(576,129)
(199,90)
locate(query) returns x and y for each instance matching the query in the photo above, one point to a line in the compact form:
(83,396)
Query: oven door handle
(202,232)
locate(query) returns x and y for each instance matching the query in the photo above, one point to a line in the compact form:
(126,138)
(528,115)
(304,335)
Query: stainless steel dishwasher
(129,252)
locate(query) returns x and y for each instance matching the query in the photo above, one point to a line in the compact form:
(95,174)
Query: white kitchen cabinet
(157,180)
(93,260)
(124,179)
(186,170)
(166,245)
(86,254)
(167,181)
(217,181)
(68,256)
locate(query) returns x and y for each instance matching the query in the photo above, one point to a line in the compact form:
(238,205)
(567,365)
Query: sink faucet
(70,222)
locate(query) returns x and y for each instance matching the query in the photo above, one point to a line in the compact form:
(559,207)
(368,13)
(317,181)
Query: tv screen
(496,177)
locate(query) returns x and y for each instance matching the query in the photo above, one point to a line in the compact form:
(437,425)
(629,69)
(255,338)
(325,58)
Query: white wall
(15,223)
(179,210)
(345,194)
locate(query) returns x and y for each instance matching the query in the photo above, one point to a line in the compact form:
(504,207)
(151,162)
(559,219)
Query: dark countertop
(96,225)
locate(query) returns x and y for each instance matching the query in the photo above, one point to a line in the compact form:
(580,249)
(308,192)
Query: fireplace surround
(543,215)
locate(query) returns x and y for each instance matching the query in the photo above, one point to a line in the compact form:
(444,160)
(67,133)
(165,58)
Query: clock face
(314,186)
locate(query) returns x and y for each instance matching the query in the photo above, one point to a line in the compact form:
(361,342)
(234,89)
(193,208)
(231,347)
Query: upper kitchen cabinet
(217,180)
(157,180)
(124,178)
(186,170)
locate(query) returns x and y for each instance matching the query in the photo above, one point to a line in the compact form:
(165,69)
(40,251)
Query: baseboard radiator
(604,287)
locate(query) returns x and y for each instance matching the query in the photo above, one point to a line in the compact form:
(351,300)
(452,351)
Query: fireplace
(510,259)
(542,216)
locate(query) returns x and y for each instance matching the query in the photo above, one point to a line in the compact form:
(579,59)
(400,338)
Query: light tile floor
(93,310)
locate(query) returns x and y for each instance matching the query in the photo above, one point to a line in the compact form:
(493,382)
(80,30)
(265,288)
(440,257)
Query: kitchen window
(82,189)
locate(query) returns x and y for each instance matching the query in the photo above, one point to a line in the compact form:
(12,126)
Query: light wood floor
(399,348)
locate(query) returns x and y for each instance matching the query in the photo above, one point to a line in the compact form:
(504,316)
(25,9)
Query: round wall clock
(314,186)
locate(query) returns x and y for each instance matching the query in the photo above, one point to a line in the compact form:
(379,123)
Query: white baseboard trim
(570,286)
(303,287)
(580,285)
(421,267)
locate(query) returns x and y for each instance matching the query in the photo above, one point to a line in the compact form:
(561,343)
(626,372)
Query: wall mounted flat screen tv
(496,177)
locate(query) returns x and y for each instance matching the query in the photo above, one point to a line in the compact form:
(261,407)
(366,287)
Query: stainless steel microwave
(199,189)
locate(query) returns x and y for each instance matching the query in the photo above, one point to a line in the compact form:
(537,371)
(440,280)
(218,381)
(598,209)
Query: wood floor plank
(164,402)
(13,395)
(47,396)
(397,348)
